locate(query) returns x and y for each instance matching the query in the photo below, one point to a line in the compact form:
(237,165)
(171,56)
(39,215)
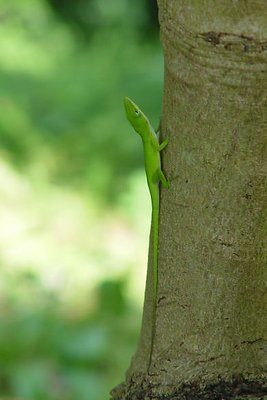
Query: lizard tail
(155,231)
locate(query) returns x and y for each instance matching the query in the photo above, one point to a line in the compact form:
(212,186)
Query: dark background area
(74,207)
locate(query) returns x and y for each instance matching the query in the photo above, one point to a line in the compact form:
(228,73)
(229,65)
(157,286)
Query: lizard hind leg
(165,182)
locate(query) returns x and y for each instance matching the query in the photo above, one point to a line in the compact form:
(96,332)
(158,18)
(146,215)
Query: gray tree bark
(210,318)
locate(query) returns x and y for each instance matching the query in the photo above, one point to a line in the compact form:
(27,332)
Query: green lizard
(154,175)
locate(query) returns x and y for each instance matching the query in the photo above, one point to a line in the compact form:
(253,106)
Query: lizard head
(136,117)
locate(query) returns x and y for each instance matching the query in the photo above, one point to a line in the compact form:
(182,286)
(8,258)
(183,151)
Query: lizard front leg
(158,146)
(163,144)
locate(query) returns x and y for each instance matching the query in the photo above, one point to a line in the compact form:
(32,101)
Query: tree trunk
(210,317)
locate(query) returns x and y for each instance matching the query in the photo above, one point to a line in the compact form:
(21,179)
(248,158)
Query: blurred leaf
(82,384)
(86,16)
(88,344)
(111,297)
(31,380)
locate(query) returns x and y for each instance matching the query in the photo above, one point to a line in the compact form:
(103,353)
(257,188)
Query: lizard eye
(137,112)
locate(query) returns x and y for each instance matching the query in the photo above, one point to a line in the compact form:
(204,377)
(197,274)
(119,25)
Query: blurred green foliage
(71,192)
(87,16)
(50,354)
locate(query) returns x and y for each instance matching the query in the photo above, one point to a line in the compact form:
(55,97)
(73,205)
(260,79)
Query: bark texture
(211,311)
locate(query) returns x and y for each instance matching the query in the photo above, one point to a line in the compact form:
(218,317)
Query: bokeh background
(74,207)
